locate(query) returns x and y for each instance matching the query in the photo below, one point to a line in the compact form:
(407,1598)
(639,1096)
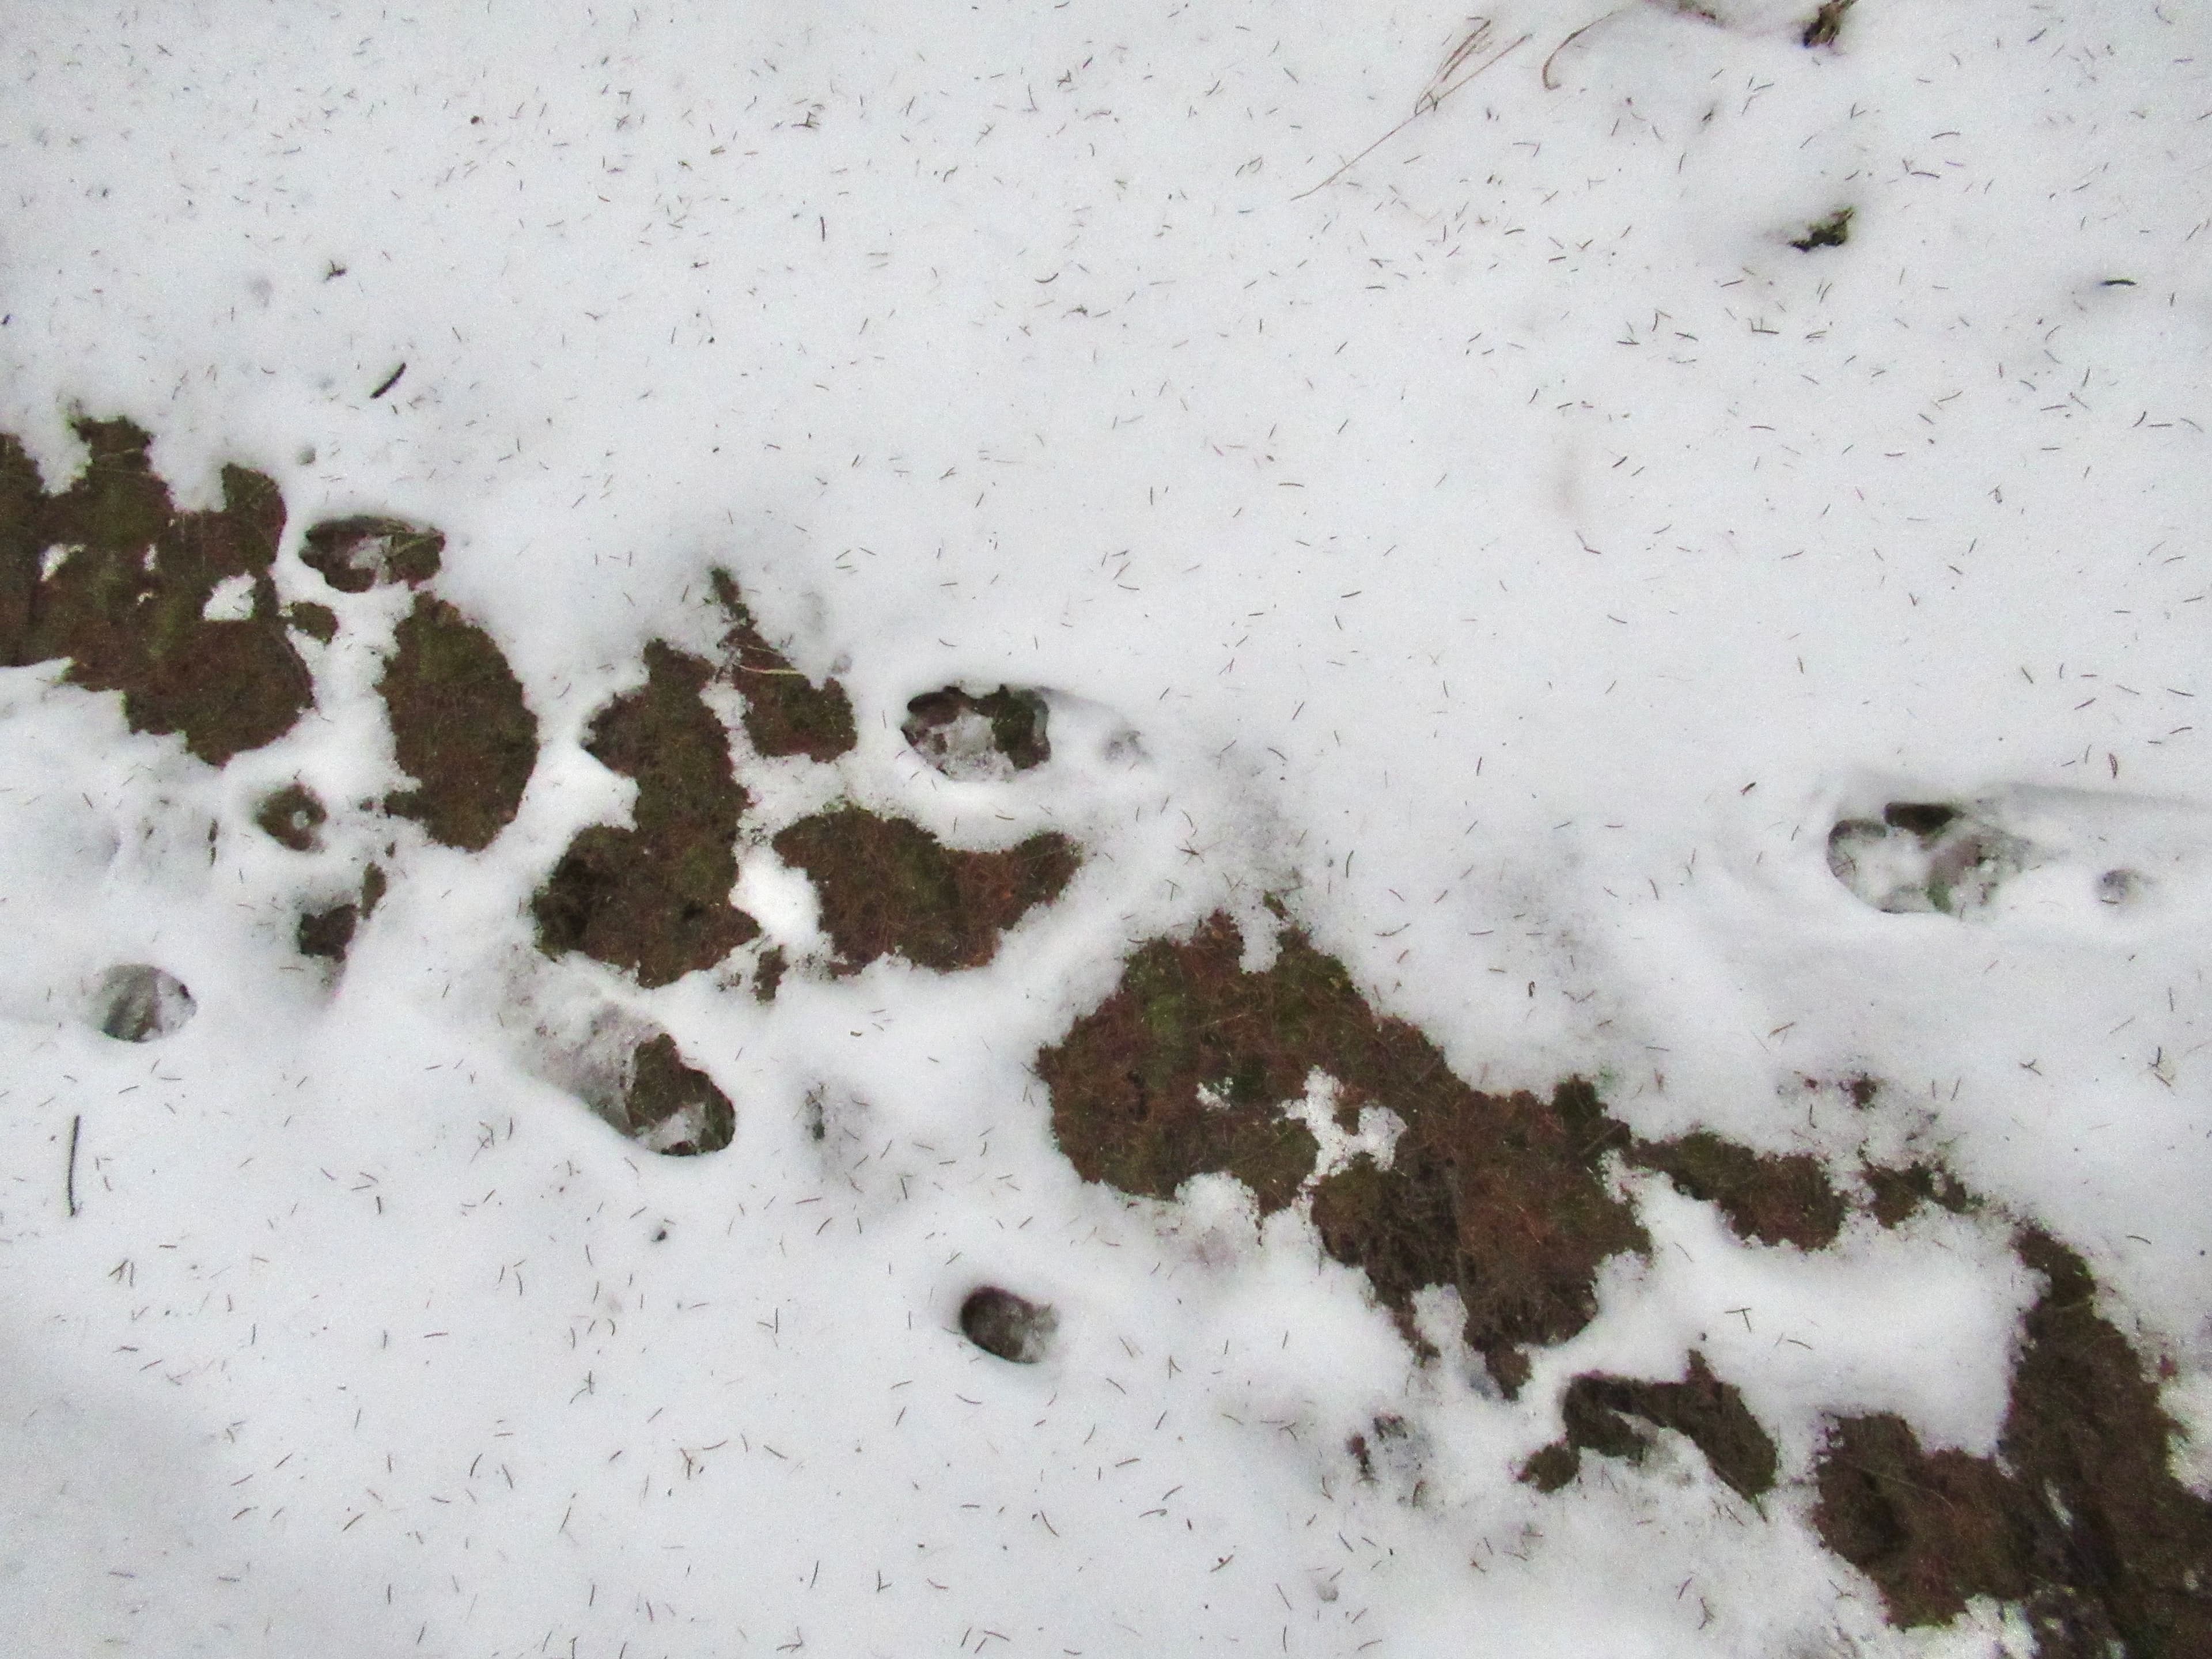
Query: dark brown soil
(675,1108)
(769,972)
(292,816)
(786,713)
(125,605)
(654,899)
(327,935)
(891,888)
(1179,1073)
(354,554)
(461,725)
(1898,1193)
(318,622)
(1010,1326)
(1017,719)
(1604,1412)
(1772,1200)
(2079,1519)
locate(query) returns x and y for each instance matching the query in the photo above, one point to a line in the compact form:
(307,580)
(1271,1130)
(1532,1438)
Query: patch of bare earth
(2079,1518)
(891,888)
(653,899)
(1183,1071)
(108,574)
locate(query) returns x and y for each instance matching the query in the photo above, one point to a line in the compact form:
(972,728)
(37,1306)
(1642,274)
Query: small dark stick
(390,382)
(76,1127)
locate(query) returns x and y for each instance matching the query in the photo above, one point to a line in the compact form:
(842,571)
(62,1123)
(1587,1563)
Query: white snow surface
(1509,548)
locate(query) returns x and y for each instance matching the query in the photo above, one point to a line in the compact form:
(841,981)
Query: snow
(1514,551)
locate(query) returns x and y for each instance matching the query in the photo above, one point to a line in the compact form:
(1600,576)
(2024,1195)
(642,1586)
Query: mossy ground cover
(2079,1518)
(891,888)
(1182,1070)
(110,575)
(786,713)
(1612,1416)
(1769,1199)
(653,900)
(460,725)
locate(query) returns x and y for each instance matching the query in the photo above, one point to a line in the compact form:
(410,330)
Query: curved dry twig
(1432,96)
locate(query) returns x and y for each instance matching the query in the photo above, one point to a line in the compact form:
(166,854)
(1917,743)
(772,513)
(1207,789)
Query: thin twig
(1428,100)
(76,1127)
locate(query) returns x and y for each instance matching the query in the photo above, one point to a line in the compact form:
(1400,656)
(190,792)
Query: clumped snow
(1663,540)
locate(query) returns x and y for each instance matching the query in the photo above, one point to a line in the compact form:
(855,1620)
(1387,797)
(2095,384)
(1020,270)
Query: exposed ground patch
(1771,1200)
(1180,1072)
(2079,1519)
(1603,1414)
(176,611)
(1833,231)
(326,935)
(891,888)
(1012,1327)
(1900,1193)
(786,713)
(672,1107)
(354,554)
(293,817)
(460,725)
(654,899)
(970,738)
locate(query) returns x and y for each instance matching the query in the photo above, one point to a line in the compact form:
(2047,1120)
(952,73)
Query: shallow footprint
(137,1002)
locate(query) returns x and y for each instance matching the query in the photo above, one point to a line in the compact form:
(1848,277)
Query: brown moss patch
(354,554)
(460,726)
(673,1108)
(327,935)
(966,737)
(891,888)
(1773,1199)
(1602,1414)
(1181,1073)
(1897,1194)
(125,603)
(2079,1519)
(318,622)
(654,899)
(786,713)
(293,817)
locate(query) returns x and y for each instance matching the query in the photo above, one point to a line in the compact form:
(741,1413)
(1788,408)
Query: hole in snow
(1012,1327)
(136,1002)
